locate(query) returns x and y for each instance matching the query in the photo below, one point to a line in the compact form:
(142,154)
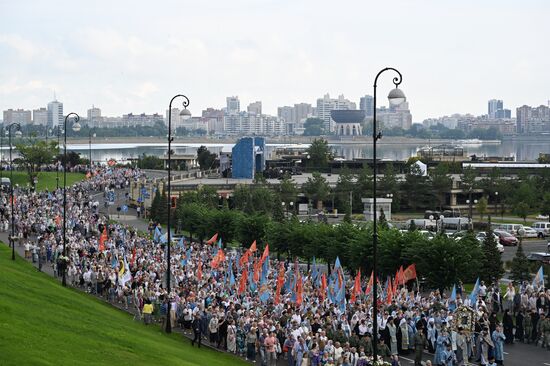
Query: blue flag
(538,281)
(220,243)
(157,234)
(337,263)
(180,242)
(452,300)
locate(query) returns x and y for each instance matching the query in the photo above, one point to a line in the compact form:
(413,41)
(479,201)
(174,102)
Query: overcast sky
(132,56)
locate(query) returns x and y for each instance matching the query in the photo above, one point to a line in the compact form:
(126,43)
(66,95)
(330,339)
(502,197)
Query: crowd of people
(256,307)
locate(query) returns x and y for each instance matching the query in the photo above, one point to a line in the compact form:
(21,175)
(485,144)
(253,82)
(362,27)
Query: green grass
(46,180)
(42,323)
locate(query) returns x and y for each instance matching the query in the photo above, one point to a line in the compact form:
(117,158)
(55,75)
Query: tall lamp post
(2,132)
(90,135)
(58,153)
(12,237)
(76,128)
(395,97)
(185,114)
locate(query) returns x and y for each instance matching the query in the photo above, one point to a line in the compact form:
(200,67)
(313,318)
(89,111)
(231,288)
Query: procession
(244,301)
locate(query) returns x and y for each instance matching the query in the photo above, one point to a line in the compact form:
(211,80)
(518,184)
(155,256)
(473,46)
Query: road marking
(505,353)
(547,364)
(405,358)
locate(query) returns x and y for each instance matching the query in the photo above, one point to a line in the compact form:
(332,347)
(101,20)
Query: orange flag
(389,293)
(199,271)
(265,254)
(356,286)
(213,239)
(299,291)
(253,247)
(244,258)
(257,267)
(409,273)
(220,257)
(369,285)
(401,276)
(242,282)
(323,288)
(103,239)
(280,282)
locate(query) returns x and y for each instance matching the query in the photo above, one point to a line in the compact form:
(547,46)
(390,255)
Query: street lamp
(12,238)
(496,203)
(58,153)
(76,128)
(90,135)
(2,132)
(185,114)
(395,97)
(470,204)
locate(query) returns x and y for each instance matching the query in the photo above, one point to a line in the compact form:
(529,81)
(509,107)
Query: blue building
(248,157)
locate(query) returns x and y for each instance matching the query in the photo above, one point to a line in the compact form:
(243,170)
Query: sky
(133,56)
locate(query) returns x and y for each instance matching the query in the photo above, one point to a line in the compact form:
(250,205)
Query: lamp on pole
(76,128)
(12,237)
(2,131)
(496,203)
(185,114)
(396,97)
(58,153)
(90,135)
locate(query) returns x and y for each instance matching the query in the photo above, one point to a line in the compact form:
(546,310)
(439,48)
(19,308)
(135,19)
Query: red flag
(409,273)
(356,286)
(133,256)
(401,276)
(257,267)
(280,282)
(58,220)
(244,258)
(369,285)
(199,271)
(323,288)
(220,257)
(253,247)
(389,293)
(213,239)
(103,239)
(242,282)
(265,254)
(299,291)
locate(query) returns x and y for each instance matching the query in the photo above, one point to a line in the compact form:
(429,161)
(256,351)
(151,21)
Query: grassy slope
(42,323)
(46,180)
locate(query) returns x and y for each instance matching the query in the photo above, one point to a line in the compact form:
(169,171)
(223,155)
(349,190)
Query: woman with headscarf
(403,326)
(392,329)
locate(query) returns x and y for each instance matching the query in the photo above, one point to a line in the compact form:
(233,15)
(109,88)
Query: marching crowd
(256,307)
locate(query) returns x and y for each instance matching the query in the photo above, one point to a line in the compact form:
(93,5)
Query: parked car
(542,228)
(539,257)
(481,238)
(510,228)
(505,238)
(529,232)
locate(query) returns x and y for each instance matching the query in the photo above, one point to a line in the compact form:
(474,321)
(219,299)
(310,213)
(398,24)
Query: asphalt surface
(529,246)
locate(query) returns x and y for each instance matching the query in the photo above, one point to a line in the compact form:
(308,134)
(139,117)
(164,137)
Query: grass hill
(42,323)
(46,180)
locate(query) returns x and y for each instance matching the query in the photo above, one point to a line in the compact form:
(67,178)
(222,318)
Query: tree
(522,210)
(343,190)
(162,212)
(441,182)
(388,185)
(319,154)
(150,162)
(382,221)
(34,155)
(224,222)
(545,205)
(250,228)
(417,190)
(363,187)
(468,181)
(73,159)
(482,207)
(155,205)
(491,264)
(206,158)
(287,189)
(316,188)
(314,127)
(520,265)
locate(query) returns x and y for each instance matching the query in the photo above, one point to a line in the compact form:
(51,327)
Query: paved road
(529,245)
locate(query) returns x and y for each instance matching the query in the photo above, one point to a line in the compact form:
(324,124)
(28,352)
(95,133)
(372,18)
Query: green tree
(35,154)
(224,222)
(206,158)
(519,269)
(545,205)
(468,181)
(491,264)
(343,190)
(195,219)
(314,127)
(416,187)
(388,185)
(522,210)
(363,188)
(441,182)
(319,154)
(482,207)
(287,189)
(316,188)
(252,227)
(155,205)
(162,213)
(150,162)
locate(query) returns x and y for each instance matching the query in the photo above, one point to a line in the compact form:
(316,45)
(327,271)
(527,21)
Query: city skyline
(98,55)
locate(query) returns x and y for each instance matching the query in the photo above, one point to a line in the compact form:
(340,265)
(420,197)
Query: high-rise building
(301,112)
(532,120)
(255,108)
(493,106)
(176,118)
(55,114)
(93,113)
(40,116)
(395,117)
(286,113)
(214,118)
(326,104)
(21,116)
(366,103)
(233,105)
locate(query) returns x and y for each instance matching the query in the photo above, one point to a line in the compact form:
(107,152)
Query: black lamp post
(59,153)
(185,114)
(12,238)
(76,128)
(396,97)
(2,131)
